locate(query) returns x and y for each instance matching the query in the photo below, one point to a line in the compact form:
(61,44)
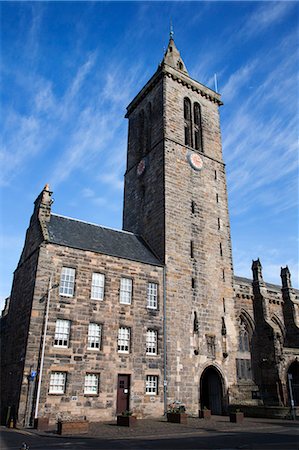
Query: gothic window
(243,369)
(243,362)
(188,122)
(197,127)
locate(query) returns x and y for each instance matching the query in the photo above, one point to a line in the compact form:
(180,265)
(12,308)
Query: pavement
(217,433)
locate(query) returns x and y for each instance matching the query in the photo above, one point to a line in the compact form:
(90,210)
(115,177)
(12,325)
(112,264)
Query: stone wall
(107,363)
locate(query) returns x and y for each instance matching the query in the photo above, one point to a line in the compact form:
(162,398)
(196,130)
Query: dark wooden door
(123,393)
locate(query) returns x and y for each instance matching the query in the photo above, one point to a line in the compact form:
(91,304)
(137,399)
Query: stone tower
(175,198)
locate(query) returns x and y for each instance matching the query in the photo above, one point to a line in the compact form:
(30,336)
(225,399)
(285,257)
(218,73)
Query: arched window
(188,122)
(243,361)
(197,127)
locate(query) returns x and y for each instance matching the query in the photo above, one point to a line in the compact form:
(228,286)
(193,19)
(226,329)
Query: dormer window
(180,65)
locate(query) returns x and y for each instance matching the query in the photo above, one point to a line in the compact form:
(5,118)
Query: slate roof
(86,236)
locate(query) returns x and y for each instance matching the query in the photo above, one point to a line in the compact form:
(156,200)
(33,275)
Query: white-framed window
(94,336)
(125,293)
(62,333)
(57,383)
(67,282)
(151,342)
(123,342)
(97,286)
(91,384)
(152,296)
(151,385)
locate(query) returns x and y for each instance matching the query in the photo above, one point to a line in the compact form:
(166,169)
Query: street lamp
(40,374)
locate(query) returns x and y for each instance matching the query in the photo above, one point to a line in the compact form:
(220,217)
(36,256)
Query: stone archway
(211,390)
(293,373)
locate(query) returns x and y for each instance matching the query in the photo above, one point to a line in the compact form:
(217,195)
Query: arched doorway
(293,381)
(211,390)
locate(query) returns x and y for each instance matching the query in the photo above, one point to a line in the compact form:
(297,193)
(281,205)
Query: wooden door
(123,393)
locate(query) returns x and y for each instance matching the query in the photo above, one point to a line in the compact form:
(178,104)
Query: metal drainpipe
(164,341)
(40,374)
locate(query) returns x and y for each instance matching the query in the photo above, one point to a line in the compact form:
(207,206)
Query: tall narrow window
(188,122)
(62,333)
(193,206)
(125,293)
(123,343)
(217,198)
(94,336)
(97,286)
(57,383)
(197,127)
(67,282)
(152,296)
(151,342)
(243,362)
(91,384)
(220,248)
(191,249)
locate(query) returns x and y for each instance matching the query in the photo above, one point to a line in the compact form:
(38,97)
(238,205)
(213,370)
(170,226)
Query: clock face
(141,167)
(195,161)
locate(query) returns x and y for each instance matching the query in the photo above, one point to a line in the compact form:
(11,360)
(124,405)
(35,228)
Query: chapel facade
(106,320)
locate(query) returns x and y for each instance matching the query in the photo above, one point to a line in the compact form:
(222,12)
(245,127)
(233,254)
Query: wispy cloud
(268,14)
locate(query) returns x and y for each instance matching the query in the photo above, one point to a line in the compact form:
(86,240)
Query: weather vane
(171,30)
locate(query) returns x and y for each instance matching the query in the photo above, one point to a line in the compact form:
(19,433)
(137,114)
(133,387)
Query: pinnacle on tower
(172,55)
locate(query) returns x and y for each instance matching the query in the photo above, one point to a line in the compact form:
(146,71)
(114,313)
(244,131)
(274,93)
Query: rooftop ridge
(94,224)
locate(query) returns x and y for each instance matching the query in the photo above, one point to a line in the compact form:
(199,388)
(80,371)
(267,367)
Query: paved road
(267,435)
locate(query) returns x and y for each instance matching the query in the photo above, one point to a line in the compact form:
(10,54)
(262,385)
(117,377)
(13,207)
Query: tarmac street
(217,433)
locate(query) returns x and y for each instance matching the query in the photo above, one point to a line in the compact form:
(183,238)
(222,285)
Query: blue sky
(69,69)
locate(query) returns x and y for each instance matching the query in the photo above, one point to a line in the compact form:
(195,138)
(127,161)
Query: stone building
(101,321)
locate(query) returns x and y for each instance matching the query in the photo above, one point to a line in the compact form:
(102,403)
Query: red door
(123,393)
